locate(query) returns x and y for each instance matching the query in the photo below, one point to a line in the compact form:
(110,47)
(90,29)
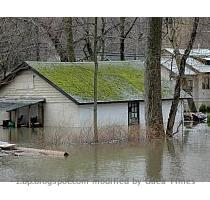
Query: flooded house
(197,73)
(55,94)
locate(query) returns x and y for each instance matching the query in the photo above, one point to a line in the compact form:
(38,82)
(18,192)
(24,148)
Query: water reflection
(154,157)
(182,158)
(95,154)
(176,169)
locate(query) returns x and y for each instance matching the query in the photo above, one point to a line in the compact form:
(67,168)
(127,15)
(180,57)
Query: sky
(104,8)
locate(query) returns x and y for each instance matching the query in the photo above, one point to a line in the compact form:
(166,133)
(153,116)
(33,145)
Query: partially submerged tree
(181,62)
(95,118)
(153,100)
(154,154)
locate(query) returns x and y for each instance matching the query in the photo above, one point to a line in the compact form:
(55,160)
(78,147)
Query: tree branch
(130,27)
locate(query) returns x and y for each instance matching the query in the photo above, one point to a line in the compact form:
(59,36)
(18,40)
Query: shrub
(208,108)
(202,108)
(208,119)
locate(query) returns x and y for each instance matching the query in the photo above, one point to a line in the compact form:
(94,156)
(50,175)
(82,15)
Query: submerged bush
(208,119)
(203,108)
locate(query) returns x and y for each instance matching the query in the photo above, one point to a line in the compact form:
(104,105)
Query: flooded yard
(186,157)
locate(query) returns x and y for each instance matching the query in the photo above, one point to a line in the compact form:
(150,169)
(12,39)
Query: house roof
(192,63)
(118,81)
(8,104)
(171,65)
(194,52)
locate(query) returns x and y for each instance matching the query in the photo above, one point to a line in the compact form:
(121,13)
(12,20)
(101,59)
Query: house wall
(117,114)
(166,110)
(165,73)
(58,109)
(200,95)
(203,95)
(3,116)
(108,114)
(166,105)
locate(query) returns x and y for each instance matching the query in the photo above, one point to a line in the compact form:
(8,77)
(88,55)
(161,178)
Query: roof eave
(140,100)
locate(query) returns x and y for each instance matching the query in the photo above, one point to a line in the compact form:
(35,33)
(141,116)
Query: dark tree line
(65,39)
(83,39)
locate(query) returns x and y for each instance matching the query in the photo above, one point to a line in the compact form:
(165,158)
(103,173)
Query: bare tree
(59,31)
(86,27)
(58,46)
(70,40)
(18,43)
(153,100)
(181,62)
(123,35)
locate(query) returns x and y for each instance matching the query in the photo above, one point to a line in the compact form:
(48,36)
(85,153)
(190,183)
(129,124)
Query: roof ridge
(86,62)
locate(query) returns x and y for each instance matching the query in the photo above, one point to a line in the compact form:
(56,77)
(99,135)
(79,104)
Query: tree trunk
(122,38)
(122,48)
(191,105)
(103,19)
(70,40)
(153,101)
(89,49)
(181,64)
(59,48)
(102,49)
(37,43)
(123,35)
(88,44)
(4,72)
(174,106)
(95,82)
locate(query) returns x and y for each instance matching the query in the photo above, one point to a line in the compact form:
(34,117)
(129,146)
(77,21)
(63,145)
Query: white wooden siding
(165,73)
(59,110)
(203,95)
(199,94)
(117,114)
(108,114)
(40,88)
(166,105)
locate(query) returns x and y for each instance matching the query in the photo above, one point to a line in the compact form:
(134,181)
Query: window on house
(206,82)
(190,85)
(133,113)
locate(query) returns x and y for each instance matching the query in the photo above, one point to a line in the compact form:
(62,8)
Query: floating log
(6,145)
(32,151)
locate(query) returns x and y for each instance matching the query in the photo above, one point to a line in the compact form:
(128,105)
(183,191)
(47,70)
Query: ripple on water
(184,157)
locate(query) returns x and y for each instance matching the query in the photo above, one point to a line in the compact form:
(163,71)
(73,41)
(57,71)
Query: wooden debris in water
(11,149)
(6,145)
(32,151)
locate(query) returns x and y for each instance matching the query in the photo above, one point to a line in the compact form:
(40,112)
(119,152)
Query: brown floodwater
(186,157)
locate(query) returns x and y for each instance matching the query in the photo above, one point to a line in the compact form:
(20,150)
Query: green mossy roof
(117,81)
